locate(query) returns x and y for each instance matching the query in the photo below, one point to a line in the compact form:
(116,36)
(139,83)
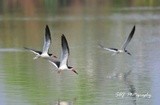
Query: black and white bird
(62,64)
(123,48)
(47,41)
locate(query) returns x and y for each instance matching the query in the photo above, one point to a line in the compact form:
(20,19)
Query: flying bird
(47,41)
(123,48)
(62,64)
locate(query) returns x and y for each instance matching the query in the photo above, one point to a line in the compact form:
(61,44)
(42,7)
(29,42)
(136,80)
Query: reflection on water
(130,86)
(10,50)
(24,81)
(65,102)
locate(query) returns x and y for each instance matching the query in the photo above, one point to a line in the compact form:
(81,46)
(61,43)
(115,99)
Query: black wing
(129,38)
(54,62)
(47,39)
(34,51)
(108,49)
(65,51)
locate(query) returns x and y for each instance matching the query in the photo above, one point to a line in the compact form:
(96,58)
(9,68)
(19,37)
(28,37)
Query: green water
(24,81)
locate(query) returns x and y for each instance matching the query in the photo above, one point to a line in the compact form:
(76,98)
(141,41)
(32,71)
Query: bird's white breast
(63,67)
(120,51)
(45,55)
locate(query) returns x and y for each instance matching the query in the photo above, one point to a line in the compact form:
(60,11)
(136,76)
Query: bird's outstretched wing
(65,51)
(33,51)
(129,38)
(108,49)
(52,60)
(47,40)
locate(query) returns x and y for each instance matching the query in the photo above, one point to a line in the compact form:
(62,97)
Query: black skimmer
(47,41)
(123,48)
(62,64)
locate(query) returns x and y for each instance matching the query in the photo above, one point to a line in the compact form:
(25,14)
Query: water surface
(103,79)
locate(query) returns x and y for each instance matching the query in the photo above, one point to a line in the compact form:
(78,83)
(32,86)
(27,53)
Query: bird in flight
(123,48)
(62,64)
(47,41)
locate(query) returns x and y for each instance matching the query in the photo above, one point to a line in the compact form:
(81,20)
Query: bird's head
(127,52)
(52,55)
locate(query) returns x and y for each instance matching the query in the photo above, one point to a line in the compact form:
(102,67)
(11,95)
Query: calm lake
(103,79)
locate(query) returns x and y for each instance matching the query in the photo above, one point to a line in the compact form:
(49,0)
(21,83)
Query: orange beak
(74,71)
